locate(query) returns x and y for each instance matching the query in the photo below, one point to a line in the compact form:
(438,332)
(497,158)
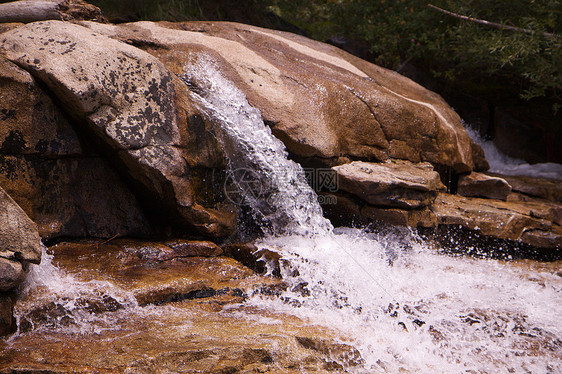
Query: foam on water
(403,305)
(406,307)
(503,164)
(58,300)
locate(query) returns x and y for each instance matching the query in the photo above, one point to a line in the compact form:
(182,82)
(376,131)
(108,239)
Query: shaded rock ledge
(19,245)
(380,192)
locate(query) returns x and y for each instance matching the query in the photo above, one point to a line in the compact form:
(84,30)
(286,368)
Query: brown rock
(19,238)
(75,197)
(262,261)
(505,220)
(319,100)
(544,188)
(340,209)
(394,183)
(482,185)
(31,123)
(538,208)
(543,238)
(6,314)
(194,248)
(11,274)
(413,218)
(125,98)
(66,190)
(40,10)
(336,351)
(155,274)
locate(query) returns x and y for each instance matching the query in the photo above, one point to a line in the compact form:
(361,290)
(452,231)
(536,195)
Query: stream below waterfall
(366,302)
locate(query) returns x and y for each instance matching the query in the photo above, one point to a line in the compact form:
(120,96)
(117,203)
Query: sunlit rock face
(122,87)
(318,99)
(128,100)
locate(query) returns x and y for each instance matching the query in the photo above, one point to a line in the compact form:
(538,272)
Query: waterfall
(503,164)
(403,305)
(272,185)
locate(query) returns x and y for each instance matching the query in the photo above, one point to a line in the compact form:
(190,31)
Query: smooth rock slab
(394,183)
(482,185)
(504,220)
(318,99)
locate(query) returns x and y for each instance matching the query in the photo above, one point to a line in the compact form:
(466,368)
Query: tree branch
(492,24)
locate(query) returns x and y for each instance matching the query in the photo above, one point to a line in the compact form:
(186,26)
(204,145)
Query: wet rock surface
(482,185)
(168,315)
(529,223)
(392,184)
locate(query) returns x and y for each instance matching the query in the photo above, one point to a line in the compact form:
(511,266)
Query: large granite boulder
(126,100)
(63,186)
(320,101)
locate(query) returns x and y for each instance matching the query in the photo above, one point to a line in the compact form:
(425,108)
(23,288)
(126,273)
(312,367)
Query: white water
(274,186)
(426,312)
(63,299)
(503,164)
(405,307)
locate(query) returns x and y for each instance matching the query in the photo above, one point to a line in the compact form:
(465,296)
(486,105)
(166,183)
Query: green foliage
(528,64)
(453,49)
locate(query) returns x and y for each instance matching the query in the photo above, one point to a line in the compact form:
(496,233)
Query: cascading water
(503,164)
(274,186)
(403,305)
(60,300)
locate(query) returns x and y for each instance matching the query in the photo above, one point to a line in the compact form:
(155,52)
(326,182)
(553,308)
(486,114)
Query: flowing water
(503,164)
(404,306)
